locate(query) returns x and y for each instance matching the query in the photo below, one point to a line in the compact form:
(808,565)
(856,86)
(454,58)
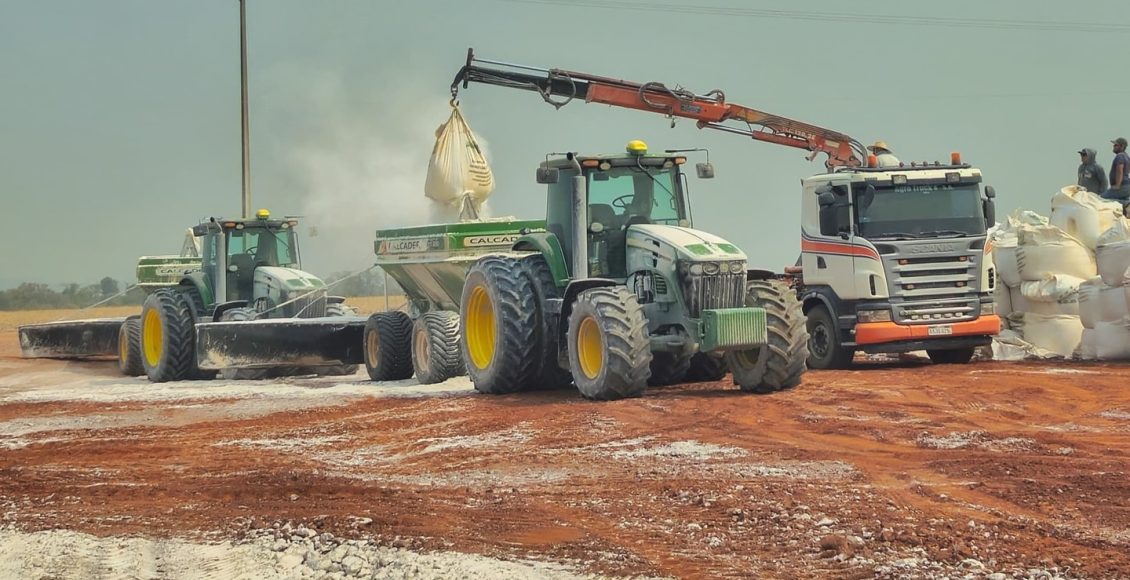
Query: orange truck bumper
(878,332)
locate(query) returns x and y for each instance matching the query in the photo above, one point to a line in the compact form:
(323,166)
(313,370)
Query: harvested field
(892,470)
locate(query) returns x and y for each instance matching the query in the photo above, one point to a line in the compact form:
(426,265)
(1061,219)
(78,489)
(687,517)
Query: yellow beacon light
(637,147)
(263,214)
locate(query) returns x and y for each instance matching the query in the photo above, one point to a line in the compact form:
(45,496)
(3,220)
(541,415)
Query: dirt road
(986,470)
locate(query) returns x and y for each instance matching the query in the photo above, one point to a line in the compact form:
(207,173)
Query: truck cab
(896,259)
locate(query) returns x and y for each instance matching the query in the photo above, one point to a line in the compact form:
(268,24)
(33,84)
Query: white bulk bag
(1082,214)
(1113,303)
(1055,294)
(1018,301)
(1003,298)
(1119,231)
(1087,350)
(1049,250)
(1112,260)
(1057,334)
(1112,340)
(458,173)
(1004,258)
(1090,302)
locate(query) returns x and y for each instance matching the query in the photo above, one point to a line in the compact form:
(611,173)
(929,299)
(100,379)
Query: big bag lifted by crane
(459,177)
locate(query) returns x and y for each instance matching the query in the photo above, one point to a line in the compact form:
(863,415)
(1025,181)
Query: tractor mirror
(704,170)
(990,192)
(199,230)
(548,175)
(600,176)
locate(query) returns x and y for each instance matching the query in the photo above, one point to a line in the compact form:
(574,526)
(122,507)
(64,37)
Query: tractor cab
(601,196)
(233,249)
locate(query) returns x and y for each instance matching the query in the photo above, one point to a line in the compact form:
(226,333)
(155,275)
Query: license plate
(940,330)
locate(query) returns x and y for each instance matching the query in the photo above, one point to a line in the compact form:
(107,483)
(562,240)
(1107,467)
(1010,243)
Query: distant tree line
(36,296)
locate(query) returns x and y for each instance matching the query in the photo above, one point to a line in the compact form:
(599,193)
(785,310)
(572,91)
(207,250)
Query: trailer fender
(222,308)
(549,246)
(196,280)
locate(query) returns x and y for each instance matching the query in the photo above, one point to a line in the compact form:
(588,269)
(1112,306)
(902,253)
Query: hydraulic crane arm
(559,87)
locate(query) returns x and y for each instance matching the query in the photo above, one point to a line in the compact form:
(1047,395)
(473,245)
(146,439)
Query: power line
(842,17)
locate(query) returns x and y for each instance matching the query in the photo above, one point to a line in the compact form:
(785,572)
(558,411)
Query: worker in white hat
(883,154)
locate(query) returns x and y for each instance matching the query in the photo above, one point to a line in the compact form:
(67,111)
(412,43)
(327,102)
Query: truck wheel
(435,347)
(233,315)
(955,356)
(388,346)
(167,336)
(498,312)
(337,309)
(824,348)
(706,368)
(668,368)
(781,362)
(609,349)
(549,374)
(129,347)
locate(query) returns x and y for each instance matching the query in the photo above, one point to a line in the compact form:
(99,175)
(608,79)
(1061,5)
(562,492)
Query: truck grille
(933,289)
(708,292)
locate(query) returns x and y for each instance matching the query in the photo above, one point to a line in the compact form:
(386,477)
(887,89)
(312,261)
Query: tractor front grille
(709,292)
(312,305)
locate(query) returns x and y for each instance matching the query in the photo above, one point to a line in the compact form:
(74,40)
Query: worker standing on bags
(1092,176)
(1119,173)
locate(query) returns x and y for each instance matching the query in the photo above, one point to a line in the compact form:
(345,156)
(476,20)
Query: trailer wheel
(233,315)
(668,368)
(129,347)
(498,312)
(706,368)
(780,363)
(955,356)
(388,346)
(337,309)
(435,347)
(824,348)
(549,374)
(609,349)
(167,336)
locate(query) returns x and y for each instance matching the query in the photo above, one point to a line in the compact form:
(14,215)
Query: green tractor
(619,292)
(246,309)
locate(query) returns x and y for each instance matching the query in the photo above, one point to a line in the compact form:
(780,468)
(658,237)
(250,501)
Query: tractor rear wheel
(168,346)
(435,347)
(129,347)
(549,374)
(498,312)
(239,315)
(609,349)
(388,346)
(337,309)
(780,363)
(668,368)
(706,368)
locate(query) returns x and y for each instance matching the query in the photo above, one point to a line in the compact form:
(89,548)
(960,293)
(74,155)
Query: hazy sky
(119,120)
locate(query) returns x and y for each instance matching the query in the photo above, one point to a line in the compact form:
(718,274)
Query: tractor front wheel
(609,349)
(337,309)
(780,363)
(240,315)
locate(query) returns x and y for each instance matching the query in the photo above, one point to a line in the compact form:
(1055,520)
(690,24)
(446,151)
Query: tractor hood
(683,244)
(287,279)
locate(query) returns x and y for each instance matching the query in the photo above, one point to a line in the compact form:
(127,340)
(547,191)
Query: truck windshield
(634,195)
(263,246)
(922,211)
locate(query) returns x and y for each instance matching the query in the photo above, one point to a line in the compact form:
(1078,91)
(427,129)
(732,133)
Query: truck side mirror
(990,192)
(548,175)
(990,208)
(704,170)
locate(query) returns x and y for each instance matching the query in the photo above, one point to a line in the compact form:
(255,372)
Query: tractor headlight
(874,315)
(696,269)
(737,267)
(988,308)
(711,268)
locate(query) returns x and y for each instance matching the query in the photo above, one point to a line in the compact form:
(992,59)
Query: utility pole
(243,91)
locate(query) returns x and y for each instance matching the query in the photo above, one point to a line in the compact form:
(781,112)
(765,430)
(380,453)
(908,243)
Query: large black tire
(668,368)
(781,362)
(498,315)
(388,346)
(824,348)
(609,349)
(196,301)
(167,336)
(234,315)
(129,347)
(549,373)
(706,368)
(435,347)
(337,309)
(955,356)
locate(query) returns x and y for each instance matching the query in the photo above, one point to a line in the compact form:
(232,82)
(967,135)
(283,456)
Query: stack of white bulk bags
(1105,299)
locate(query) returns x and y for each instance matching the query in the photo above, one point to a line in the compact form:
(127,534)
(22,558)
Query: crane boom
(560,87)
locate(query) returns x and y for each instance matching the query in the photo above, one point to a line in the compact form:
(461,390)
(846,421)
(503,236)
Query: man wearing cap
(1092,177)
(1119,173)
(883,154)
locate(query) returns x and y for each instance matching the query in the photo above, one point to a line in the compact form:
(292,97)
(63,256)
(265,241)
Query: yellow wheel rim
(480,328)
(590,348)
(423,349)
(153,337)
(373,348)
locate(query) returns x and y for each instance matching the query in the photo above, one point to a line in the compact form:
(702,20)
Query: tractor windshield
(262,246)
(624,196)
